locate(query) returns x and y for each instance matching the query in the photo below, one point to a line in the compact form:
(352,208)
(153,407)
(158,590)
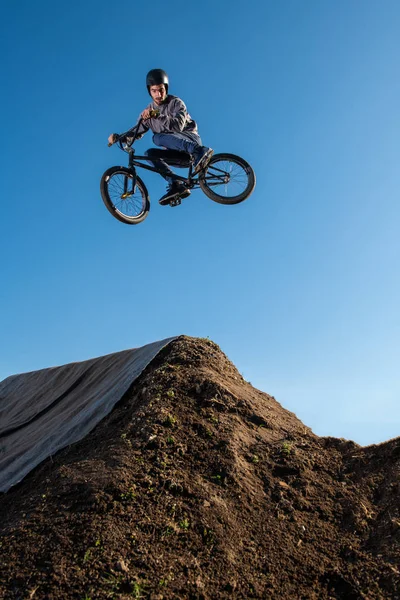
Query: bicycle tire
(142,201)
(211,178)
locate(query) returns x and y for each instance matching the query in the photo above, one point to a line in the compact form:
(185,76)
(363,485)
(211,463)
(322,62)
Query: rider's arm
(176,117)
(136,133)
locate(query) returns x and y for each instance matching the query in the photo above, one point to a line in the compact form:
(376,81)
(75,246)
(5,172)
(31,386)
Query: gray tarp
(43,411)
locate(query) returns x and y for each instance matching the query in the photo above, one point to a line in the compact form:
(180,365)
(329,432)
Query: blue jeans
(186,142)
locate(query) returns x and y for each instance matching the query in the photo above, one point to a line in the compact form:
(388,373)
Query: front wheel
(228,179)
(125,195)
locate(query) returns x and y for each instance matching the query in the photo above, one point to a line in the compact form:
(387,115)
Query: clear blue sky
(299,285)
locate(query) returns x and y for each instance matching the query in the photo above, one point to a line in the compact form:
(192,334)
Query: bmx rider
(174,129)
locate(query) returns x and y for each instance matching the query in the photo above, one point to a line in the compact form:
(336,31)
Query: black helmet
(156,77)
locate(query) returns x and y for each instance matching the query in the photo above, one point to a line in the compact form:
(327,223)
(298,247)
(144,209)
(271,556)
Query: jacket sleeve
(177,116)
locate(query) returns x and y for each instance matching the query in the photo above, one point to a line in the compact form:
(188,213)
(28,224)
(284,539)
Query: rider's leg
(188,142)
(175,187)
(161,166)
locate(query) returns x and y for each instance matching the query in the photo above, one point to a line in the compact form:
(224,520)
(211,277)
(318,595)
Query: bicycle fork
(127,193)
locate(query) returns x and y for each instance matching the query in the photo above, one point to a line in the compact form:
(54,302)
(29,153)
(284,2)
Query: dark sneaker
(174,189)
(202,159)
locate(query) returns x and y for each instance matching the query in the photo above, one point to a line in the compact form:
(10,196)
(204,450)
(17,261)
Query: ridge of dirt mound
(199,486)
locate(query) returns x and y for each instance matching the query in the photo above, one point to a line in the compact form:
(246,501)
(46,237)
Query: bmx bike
(227,179)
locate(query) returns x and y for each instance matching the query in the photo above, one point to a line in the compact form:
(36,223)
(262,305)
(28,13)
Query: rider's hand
(149,113)
(112,138)
(145,114)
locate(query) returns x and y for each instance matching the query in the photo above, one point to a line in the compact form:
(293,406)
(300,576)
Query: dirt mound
(199,486)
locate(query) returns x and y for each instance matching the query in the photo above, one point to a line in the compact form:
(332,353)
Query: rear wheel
(228,179)
(125,195)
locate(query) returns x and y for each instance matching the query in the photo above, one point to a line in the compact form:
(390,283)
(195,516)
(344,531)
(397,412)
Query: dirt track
(199,486)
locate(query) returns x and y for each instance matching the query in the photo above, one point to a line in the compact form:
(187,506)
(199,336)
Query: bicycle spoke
(230,178)
(133,204)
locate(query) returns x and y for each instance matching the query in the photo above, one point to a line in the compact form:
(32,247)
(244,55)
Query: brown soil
(199,486)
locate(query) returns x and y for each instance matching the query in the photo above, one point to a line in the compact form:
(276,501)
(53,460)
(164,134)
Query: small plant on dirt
(209,433)
(113,581)
(184,524)
(170,440)
(89,552)
(255,459)
(208,537)
(174,486)
(125,439)
(170,421)
(170,393)
(87,555)
(120,585)
(165,581)
(217,479)
(286,448)
(129,495)
(137,590)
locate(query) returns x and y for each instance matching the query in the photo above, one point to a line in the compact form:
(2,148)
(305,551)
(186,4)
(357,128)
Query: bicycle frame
(215,178)
(134,161)
(120,183)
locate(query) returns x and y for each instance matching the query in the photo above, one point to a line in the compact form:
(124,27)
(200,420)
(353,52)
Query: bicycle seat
(174,158)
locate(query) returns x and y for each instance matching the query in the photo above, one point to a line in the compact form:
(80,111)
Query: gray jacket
(173,118)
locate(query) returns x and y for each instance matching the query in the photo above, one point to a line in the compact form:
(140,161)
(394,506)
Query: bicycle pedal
(175,202)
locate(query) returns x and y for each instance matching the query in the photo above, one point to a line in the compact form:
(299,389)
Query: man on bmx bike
(173,128)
